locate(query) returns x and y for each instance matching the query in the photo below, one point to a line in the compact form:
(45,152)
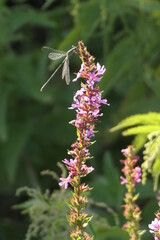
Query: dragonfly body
(55,55)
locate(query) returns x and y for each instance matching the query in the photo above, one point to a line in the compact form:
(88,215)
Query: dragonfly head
(75,49)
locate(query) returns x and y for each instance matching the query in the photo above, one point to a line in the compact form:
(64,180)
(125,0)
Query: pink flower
(79,73)
(125,152)
(85,170)
(154,226)
(100,70)
(71,166)
(156,238)
(136,175)
(65,181)
(70,163)
(123,180)
(89,133)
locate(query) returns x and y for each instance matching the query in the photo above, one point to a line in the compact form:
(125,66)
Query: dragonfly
(55,55)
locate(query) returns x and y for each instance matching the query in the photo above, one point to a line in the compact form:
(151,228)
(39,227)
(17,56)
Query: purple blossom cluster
(87,102)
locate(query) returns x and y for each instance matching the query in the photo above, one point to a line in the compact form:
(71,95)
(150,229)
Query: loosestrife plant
(132,175)
(87,103)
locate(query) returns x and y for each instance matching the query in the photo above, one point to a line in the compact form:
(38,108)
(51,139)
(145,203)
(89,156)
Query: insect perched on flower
(55,55)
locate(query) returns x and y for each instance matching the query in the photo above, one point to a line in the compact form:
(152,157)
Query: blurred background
(34,131)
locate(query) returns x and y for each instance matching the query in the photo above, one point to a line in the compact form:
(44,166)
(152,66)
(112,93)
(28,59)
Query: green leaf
(90,11)
(139,141)
(102,230)
(146,5)
(116,233)
(141,130)
(119,64)
(113,193)
(144,119)
(23,15)
(151,158)
(13,148)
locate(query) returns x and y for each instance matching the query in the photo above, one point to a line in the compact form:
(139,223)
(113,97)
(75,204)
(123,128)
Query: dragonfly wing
(48,49)
(66,71)
(54,54)
(67,76)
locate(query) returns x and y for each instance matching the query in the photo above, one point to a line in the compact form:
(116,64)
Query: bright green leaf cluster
(146,128)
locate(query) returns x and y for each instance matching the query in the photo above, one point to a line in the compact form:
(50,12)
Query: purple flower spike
(87,103)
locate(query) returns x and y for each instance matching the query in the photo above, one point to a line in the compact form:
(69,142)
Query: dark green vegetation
(34,131)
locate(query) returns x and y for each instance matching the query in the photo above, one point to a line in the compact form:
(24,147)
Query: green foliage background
(34,131)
